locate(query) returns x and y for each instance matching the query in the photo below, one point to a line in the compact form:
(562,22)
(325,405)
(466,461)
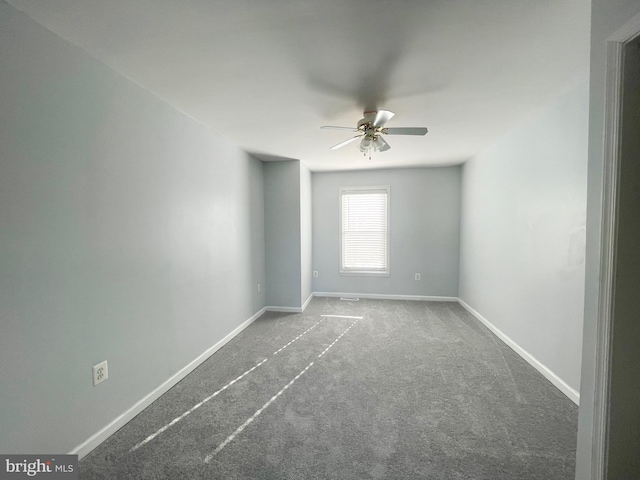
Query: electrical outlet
(315,273)
(259,287)
(100,373)
(417,276)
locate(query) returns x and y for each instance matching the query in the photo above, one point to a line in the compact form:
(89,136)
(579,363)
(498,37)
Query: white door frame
(611,171)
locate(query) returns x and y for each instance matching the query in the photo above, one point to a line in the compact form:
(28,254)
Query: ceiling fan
(370,130)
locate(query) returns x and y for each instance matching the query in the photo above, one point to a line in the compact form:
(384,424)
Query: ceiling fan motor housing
(368,117)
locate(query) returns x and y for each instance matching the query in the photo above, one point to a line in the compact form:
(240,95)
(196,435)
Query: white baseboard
(548,374)
(306,303)
(290,309)
(376,296)
(97,438)
(284,309)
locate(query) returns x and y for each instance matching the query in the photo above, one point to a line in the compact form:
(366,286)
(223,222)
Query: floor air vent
(350,299)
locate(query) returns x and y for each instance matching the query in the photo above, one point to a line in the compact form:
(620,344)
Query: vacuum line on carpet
(195,407)
(341,316)
(303,333)
(341,335)
(271,400)
(253,417)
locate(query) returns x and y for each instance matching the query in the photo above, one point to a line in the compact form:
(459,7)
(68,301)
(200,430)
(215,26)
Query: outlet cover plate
(100,373)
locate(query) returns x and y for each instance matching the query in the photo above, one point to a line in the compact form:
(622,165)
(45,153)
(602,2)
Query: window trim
(365,273)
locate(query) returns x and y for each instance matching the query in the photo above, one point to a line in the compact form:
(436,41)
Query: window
(364,231)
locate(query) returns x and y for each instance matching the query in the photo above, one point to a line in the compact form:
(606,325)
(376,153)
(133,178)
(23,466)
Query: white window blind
(364,231)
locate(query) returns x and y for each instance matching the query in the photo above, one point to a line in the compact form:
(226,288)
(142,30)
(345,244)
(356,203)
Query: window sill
(356,273)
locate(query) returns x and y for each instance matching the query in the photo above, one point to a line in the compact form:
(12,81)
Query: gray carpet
(413,390)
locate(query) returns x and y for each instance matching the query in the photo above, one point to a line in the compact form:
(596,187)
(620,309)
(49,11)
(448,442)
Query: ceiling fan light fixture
(378,143)
(366,144)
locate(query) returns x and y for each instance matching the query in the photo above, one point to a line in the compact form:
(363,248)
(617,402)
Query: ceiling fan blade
(346,142)
(382,117)
(332,127)
(405,131)
(380,144)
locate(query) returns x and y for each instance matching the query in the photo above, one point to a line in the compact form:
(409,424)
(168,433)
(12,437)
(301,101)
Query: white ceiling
(268,73)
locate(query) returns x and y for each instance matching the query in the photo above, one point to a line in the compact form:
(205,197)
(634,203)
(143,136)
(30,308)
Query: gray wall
(523,227)
(306,261)
(424,231)
(128,232)
(282,233)
(607,17)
